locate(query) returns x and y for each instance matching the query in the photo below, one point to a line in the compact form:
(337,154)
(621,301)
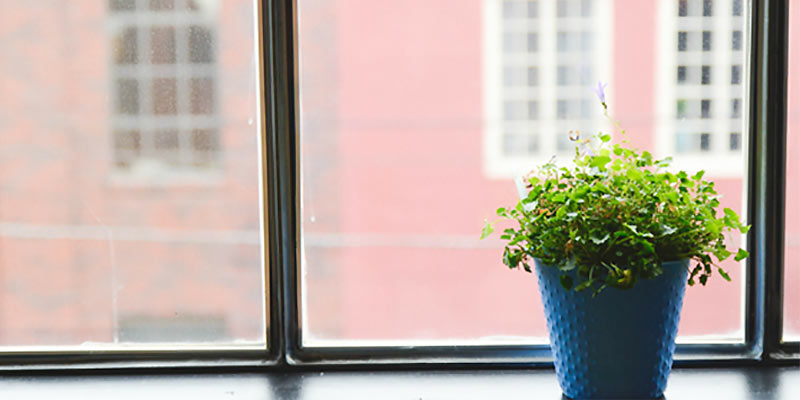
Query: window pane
(164,94)
(162,4)
(533,76)
(202,95)
(201,45)
(736,108)
(707,7)
(736,74)
(126,46)
(166,144)
(407,148)
(127,147)
(533,43)
(706,41)
(734,141)
(791,278)
(705,75)
(533,8)
(705,109)
(122,5)
(128,96)
(162,44)
(736,40)
(129,184)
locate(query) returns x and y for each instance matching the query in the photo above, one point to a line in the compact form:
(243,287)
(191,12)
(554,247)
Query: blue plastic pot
(618,345)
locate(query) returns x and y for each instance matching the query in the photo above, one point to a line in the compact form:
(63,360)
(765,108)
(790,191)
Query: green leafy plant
(615,216)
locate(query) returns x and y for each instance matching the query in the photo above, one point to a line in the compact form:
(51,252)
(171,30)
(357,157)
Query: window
(692,41)
(533,76)
(681,109)
(735,141)
(705,109)
(352,119)
(520,143)
(736,74)
(737,40)
(736,108)
(693,142)
(567,51)
(706,41)
(164,76)
(97,94)
(694,75)
(707,7)
(709,102)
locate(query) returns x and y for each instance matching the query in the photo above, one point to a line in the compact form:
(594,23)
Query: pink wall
(411,137)
(635,77)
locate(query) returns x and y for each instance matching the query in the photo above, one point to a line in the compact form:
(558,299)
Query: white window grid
(147,138)
(700,80)
(542,59)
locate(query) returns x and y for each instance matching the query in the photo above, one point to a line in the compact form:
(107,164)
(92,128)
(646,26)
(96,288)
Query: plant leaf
(602,240)
(487,230)
(566,281)
(741,255)
(724,274)
(600,161)
(584,285)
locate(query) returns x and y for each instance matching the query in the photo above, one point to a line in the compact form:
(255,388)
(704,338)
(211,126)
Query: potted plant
(614,239)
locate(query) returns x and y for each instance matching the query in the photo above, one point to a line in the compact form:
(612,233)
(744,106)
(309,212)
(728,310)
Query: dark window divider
(770,129)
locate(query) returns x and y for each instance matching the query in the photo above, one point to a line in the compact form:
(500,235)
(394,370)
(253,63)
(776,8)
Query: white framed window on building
(541,59)
(164,107)
(699,79)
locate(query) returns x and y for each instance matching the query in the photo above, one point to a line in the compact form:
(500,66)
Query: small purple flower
(600,90)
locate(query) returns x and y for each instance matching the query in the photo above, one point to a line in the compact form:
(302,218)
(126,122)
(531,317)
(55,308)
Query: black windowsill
(779,383)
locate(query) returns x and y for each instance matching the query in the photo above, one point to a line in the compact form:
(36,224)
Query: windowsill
(685,383)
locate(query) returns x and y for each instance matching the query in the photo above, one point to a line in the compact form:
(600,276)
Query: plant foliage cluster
(614,217)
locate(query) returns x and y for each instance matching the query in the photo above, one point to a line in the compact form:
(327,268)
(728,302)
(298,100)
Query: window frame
(277,50)
(154,357)
(559,94)
(767,28)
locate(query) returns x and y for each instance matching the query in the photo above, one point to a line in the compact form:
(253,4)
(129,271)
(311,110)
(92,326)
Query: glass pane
(414,124)
(129,175)
(791,263)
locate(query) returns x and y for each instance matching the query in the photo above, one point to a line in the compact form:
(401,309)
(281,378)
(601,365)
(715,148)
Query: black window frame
(280,164)
(768,60)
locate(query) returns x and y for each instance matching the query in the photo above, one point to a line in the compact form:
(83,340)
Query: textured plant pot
(619,344)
